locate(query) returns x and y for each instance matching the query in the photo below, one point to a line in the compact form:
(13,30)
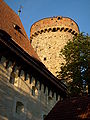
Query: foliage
(76,54)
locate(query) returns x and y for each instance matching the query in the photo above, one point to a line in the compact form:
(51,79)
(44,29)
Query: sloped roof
(11,23)
(13,35)
(71,109)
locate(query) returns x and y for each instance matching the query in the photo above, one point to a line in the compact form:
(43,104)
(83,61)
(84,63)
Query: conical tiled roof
(11,24)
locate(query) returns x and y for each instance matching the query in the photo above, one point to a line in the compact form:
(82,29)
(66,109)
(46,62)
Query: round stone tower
(48,36)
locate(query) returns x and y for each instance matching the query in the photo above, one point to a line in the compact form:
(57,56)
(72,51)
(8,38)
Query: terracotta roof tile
(71,109)
(8,20)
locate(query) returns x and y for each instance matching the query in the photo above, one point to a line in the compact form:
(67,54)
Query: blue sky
(34,10)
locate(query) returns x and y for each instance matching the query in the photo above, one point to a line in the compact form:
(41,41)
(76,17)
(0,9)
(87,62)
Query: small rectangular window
(19,108)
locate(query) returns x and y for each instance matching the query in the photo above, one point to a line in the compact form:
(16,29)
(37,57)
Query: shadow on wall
(15,104)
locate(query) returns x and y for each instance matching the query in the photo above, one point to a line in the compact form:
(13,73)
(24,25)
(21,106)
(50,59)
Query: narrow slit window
(11,80)
(33,90)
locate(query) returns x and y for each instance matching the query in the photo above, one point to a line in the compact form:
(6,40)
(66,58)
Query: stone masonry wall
(49,36)
(21,99)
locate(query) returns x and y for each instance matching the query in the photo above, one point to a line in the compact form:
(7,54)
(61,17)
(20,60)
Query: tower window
(49,29)
(54,30)
(44,58)
(19,108)
(45,29)
(58,28)
(58,18)
(69,30)
(41,31)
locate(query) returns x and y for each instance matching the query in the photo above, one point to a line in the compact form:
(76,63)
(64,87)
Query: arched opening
(14,76)
(34,91)
(58,28)
(65,29)
(41,31)
(62,29)
(69,30)
(54,30)
(20,108)
(49,29)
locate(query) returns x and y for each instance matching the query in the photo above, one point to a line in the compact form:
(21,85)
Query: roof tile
(71,109)
(8,18)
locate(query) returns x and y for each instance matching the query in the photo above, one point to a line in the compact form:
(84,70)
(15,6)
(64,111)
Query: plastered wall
(32,106)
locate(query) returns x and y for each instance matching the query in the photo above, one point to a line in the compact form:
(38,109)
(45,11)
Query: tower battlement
(54,24)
